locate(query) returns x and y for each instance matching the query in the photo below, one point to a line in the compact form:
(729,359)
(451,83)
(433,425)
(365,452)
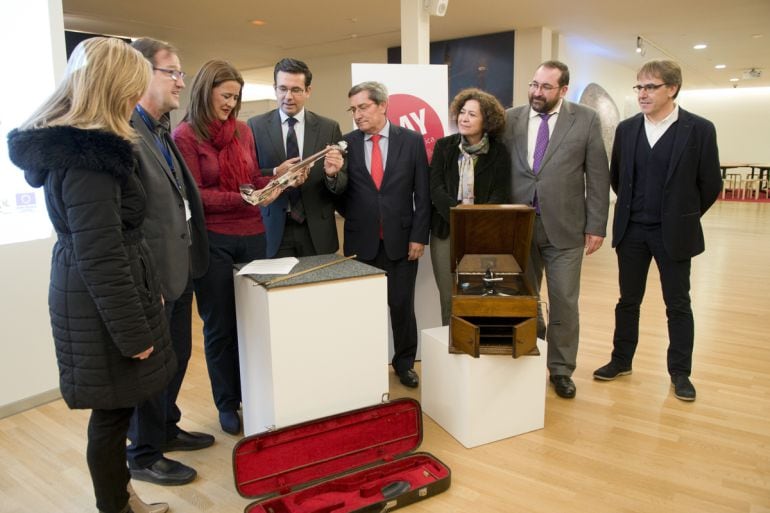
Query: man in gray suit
(559,166)
(176,233)
(301,221)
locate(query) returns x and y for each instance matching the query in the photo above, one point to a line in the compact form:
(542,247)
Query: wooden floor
(624,446)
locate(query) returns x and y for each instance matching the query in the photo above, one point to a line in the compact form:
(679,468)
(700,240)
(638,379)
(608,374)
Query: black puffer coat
(104,297)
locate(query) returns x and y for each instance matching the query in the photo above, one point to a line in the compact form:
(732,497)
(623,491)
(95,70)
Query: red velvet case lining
(338,463)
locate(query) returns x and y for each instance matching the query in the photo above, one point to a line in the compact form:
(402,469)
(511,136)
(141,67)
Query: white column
(31,45)
(415,33)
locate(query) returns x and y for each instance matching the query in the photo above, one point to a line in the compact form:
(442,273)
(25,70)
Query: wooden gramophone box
(494,307)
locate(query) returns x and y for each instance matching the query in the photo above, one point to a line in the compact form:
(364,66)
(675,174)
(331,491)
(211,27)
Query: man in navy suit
(301,221)
(665,171)
(387,210)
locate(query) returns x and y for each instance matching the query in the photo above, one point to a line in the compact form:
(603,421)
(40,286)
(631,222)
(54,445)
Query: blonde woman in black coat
(469,167)
(112,343)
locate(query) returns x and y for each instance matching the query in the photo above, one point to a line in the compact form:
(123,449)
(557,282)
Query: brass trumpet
(249,194)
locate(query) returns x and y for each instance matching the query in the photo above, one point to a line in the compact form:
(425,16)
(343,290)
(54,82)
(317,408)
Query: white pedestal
(311,350)
(481,400)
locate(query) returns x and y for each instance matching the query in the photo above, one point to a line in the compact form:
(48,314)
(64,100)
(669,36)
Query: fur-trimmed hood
(37,151)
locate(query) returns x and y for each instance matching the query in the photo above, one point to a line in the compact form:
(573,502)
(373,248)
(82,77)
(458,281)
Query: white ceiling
(737,32)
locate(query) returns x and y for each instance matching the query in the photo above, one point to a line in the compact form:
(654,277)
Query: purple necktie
(541,143)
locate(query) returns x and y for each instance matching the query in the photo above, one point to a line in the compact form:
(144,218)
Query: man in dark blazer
(300,222)
(176,233)
(559,166)
(665,171)
(387,210)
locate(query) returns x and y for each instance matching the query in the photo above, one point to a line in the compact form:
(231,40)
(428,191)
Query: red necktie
(377,171)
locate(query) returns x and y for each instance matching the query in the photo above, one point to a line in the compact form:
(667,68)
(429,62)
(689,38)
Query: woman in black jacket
(470,167)
(112,343)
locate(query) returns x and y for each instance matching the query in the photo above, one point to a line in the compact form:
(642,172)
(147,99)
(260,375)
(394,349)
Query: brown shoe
(137,505)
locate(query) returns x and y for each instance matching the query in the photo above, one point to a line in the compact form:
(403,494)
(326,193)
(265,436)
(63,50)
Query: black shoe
(409,378)
(165,472)
(230,422)
(188,441)
(611,371)
(564,386)
(683,388)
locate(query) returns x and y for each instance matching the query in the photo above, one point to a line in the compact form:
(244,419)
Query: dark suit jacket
(165,227)
(403,201)
(492,179)
(693,181)
(317,195)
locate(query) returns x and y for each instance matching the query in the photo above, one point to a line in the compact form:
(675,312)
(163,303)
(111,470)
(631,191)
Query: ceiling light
(258,23)
(640,49)
(720,66)
(700,46)
(734,79)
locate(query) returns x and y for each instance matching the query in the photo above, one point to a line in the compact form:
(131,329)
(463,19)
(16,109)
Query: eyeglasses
(174,74)
(283,90)
(545,87)
(647,87)
(360,108)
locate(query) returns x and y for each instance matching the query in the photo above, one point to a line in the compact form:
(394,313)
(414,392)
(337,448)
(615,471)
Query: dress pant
(562,273)
(639,245)
(155,421)
(442,272)
(215,294)
(401,276)
(106,456)
(296,241)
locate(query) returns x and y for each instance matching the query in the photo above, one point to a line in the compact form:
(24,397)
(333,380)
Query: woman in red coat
(220,152)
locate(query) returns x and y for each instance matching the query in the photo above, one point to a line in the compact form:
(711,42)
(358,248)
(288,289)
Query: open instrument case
(357,461)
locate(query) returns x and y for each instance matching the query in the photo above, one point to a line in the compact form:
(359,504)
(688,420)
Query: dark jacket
(104,296)
(402,204)
(491,185)
(692,184)
(180,247)
(318,194)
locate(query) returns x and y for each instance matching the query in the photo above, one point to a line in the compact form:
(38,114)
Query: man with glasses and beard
(665,171)
(559,166)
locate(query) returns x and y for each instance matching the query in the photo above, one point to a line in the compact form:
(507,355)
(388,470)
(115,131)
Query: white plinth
(481,400)
(311,350)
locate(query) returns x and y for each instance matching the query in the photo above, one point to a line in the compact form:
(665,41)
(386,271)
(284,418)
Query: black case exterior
(409,497)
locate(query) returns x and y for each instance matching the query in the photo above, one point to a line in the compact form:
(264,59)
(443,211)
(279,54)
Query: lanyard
(160,143)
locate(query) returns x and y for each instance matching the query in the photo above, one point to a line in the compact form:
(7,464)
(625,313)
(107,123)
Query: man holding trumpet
(300,222)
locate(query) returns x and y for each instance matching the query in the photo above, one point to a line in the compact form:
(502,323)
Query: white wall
(741,117)
(587,63)
(331,83)
(28,372)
